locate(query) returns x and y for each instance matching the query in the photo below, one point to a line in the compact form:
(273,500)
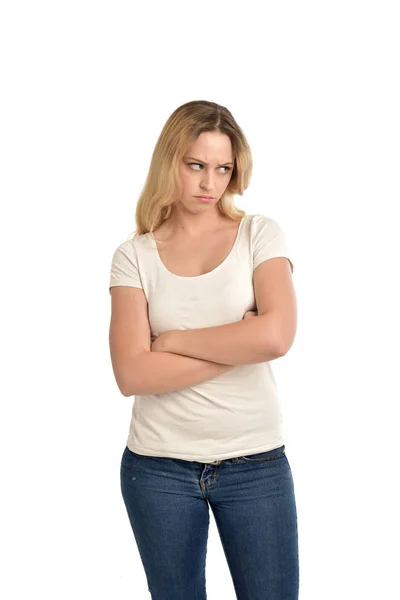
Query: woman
(202,302)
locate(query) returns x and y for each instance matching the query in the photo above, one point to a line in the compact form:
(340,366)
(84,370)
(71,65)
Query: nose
(207,183)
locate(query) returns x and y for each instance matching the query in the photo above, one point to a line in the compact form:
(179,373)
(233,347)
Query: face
(206,170)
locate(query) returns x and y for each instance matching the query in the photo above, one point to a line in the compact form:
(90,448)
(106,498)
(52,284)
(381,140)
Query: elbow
(285,333)
(126,387)
(125,391)
(274,342)
(123,383)
(126,378)
(131,381)
(283,345)
(281,350)
(280,325)
(136,387)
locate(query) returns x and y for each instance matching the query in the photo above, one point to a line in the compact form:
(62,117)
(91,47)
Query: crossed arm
(262,338)
(249,341)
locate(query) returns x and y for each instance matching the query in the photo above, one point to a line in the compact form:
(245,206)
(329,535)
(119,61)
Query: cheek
(187,180)
(223,183)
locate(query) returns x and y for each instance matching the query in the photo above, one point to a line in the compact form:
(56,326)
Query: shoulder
(132,245)
(268,239)
(263,227)
(125,249)
(256,224)
(259,220)
(129,250)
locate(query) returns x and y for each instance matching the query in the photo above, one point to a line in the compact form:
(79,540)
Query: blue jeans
(253,503)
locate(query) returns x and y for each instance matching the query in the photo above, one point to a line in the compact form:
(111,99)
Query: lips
(205,199)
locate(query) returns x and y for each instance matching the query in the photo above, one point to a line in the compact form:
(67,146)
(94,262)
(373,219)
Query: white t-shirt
(235,413)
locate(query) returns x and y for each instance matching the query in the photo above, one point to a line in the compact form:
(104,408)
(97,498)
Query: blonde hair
(162,185)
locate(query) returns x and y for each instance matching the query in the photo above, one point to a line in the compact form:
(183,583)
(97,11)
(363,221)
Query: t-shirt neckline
(203,275)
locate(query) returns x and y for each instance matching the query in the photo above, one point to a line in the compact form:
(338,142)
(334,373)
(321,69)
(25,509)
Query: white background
(86,89)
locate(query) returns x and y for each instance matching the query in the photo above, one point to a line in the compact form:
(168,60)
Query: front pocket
(264,456)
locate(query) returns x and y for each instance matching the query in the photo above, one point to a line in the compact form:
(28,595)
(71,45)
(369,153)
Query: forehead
(211,145)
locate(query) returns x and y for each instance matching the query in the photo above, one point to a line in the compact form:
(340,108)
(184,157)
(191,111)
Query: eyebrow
(203,163)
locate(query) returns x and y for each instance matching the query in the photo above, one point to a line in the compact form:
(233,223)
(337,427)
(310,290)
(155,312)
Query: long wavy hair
(162,186)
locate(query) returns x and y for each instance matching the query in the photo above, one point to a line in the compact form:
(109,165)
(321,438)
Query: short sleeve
(269,241)
(124,267)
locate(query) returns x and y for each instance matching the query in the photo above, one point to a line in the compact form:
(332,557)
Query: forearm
(163,372)
(246,342)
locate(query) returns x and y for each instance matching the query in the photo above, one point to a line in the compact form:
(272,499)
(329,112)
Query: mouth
(205,198)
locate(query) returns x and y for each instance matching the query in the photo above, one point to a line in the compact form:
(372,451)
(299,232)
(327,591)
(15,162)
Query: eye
(200,165)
